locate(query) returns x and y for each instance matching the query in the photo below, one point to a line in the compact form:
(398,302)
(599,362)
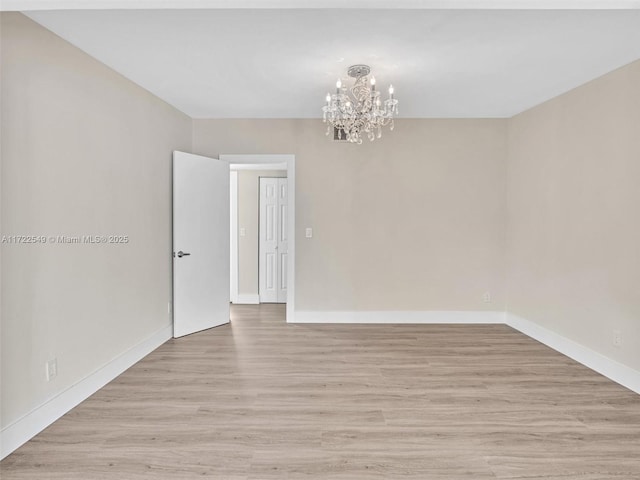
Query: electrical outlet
(308,232)
(486,298)
(617,338)
(51,369)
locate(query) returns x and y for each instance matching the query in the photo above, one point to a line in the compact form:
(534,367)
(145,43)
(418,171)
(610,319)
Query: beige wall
(248,208)
(414,221)
(84,151)
(574,214)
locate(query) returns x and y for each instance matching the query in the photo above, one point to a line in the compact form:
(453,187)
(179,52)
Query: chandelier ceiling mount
(356,71)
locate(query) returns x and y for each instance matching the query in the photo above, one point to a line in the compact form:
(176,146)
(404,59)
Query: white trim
(247,299)
(290,161)
(25,428)
(258,166)
(23,5)
(256,159)
(233,245)
(427,316)
(291,250)
(619,373)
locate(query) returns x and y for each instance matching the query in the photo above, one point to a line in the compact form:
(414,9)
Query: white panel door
(273,240)
(200,243)
(268,241)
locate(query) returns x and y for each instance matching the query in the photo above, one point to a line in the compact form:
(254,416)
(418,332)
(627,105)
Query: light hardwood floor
(260,399)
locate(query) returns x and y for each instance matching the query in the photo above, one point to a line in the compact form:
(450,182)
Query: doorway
(265,165)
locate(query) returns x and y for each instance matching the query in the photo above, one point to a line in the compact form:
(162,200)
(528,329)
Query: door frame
(269,162)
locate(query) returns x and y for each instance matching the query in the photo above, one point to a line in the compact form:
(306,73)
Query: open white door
(200,243)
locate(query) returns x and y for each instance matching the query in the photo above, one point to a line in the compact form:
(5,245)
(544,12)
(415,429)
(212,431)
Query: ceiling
(280,63)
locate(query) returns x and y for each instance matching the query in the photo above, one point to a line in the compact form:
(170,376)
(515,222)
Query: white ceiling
(431,4)
(279,63)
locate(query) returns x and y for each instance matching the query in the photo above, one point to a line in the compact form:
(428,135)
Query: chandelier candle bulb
(373,83)
(391,91)
(338,86)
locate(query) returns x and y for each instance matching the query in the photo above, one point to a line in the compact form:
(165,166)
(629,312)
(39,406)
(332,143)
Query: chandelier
(359,110)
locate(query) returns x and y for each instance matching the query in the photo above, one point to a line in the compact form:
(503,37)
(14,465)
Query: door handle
(182,254)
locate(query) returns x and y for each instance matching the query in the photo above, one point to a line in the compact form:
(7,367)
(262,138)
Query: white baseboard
(25,428)
(247,299)
(619,373)
(427,316)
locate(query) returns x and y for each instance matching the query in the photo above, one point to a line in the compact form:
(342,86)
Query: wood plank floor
(260,399)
